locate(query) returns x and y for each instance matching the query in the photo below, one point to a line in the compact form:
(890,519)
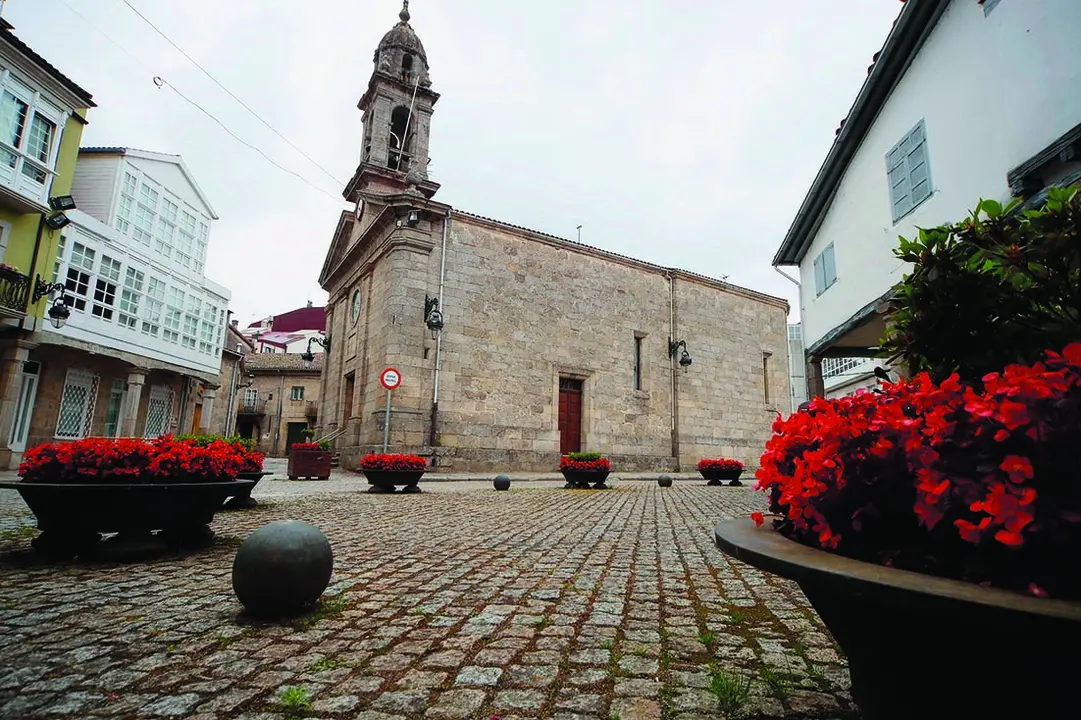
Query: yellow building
(42,114)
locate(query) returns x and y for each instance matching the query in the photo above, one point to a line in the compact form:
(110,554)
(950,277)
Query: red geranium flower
(393,462)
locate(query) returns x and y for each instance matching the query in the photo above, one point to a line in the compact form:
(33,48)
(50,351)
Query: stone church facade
(546,345)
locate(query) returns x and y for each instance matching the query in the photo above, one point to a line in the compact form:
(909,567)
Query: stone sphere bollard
(502,482)
(282,569)
(665,481)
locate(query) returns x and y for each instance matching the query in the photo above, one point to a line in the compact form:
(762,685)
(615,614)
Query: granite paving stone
(458,603)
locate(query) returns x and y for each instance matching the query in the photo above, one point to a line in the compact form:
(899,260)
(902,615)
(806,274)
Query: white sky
(685,134)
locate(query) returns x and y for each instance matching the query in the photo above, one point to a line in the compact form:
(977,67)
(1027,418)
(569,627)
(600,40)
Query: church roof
(402,36)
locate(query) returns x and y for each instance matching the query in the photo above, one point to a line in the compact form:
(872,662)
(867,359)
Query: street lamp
(58,311)
(432,317)
(308,355)
(685,357)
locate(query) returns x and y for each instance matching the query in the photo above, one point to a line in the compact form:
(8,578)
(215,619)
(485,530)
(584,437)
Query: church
(514,346)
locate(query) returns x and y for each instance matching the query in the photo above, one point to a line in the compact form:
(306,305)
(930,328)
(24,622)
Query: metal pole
(386,425)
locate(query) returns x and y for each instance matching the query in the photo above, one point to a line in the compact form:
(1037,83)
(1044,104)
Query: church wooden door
(570,415)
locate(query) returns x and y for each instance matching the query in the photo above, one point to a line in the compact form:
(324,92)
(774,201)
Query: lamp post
(432,317)
(685,357)
(323,342)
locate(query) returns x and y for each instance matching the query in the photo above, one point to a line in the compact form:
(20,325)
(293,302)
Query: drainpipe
(230,410)
(439,336)
(32,272)
(786,276)
(672,364)
(278,420)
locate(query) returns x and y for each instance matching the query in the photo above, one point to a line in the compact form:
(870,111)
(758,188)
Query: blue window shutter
(919,167)
(897,173)
(829,266)
(820,279)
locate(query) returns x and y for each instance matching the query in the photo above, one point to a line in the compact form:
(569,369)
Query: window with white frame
(130,297)
(909,172)
(832,367)
(825,267)
(185,244)
(127,202)
(114,411)
(76,404)
(158,409)
(191,330)
(58,264)
(251,396)
(173,312)
(105,288)
(153,307)
(297,392)
(165,232)
(146,210)
(200,246)
(77,283)
(206,338)
(29,131)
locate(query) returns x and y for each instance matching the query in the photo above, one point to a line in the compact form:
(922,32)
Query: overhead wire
(160,82)
(229,92)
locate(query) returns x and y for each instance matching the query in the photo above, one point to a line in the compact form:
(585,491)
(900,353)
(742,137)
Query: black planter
(924,646)
(715,477)
(72,517)
(385,481)
(243,499)
(582,479)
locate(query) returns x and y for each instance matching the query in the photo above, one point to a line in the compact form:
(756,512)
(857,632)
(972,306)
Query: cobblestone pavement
(460,602)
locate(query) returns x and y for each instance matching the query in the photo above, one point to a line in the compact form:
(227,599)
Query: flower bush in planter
(253,459)
(393,462)
(103,461)
(322,446)
(721,464)
(971,469)
(584,462)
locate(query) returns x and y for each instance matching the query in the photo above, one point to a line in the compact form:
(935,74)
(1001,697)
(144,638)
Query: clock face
(356,305)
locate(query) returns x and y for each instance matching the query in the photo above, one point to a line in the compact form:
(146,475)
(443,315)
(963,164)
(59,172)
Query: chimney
(309,303)
(236,323)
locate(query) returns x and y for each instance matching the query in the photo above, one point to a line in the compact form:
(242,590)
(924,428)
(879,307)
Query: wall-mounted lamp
(251,381)
(62,202)
(57,220)
(323,342)
(58,312)
(685,357)
(413,219)
(432,317)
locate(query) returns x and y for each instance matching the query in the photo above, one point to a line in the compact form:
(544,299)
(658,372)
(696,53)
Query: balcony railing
(312,409)
(254,407)
(14,292)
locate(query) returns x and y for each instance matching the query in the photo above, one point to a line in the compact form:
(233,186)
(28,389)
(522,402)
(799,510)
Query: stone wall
(275,389)
(522,310)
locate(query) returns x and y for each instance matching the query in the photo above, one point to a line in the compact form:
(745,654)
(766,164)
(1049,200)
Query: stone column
(11,368)
(208,408)
(136,380)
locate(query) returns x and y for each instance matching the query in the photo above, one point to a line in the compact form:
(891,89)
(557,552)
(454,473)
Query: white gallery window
(165,232)
(77,404)
(909,172)
(77,283)
(185,244)
(30,129)
(127,202)
(145,213)
(154,306)
(130,297)
(105,288)
(58,264)
(825,267)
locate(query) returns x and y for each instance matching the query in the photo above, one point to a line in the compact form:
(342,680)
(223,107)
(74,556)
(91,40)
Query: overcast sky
(682,133)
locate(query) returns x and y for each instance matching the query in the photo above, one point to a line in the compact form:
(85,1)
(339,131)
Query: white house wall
(94,185)
(993,91)
(171,176)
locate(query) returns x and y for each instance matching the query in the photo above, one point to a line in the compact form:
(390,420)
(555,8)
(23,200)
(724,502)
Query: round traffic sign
(390,378)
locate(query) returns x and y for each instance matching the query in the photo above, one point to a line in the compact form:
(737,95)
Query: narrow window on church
(765,375)
(637,362)
(407,62)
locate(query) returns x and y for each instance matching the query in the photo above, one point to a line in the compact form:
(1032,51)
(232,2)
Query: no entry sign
(390,379)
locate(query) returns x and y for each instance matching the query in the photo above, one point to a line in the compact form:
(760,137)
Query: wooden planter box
(309,465)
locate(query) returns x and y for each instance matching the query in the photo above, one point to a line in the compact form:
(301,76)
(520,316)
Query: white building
(966,100)
(142,312)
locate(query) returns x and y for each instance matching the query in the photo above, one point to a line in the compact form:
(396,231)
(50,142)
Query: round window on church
(355,310)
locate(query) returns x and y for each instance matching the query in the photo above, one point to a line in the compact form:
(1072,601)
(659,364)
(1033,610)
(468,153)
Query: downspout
(230,408)
(278,420)
(432,435)
(33,273)
(786,276)
(672,365)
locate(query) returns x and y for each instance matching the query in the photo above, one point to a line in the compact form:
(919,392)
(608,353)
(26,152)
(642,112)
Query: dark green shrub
(998,288)
(204,440)
(585,456)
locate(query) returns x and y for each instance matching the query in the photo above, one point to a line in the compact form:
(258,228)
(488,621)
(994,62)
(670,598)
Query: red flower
(1018,468)
(598,465)
(393,462)
(727,464)
(758,518)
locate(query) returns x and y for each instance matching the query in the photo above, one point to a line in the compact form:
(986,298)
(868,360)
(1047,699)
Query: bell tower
(397,113)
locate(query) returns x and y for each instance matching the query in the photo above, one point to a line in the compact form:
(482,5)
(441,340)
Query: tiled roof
(5,32)
(282,362)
